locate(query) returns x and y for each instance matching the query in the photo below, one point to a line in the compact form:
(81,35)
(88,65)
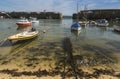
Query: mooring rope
(3,41)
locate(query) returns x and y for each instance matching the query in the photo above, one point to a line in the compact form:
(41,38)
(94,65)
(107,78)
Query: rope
(3,41)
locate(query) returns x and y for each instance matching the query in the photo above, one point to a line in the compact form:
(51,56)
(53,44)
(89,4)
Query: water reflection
(21,44)
(76,34)
(102,29)
(49,22)
(23,28)
(35,24)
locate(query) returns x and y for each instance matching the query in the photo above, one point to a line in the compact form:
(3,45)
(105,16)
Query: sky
(66,7)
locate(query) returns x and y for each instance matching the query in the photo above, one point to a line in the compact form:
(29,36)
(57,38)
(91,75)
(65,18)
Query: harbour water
(93,49)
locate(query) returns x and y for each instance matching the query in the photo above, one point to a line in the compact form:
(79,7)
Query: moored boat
(23,36)
(102,22)
(83,22)
(93,22)
(76,26)
(24,23)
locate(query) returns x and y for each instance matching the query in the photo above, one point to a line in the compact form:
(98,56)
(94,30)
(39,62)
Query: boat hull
(24,24)
(75,28)
(98,24)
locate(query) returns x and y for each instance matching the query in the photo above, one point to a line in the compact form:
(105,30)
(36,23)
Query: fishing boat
(23,36)
(102,22)
(23,23)
(76,26)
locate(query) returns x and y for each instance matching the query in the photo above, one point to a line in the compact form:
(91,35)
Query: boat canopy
(76,25)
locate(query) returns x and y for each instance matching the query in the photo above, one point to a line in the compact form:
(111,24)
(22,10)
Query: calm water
(97,42)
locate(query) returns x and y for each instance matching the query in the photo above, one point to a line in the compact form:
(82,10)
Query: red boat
(24,23)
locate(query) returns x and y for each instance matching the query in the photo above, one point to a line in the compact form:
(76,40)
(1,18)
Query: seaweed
(56,71)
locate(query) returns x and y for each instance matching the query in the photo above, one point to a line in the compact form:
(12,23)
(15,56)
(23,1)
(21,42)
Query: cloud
(33,5)
(111,1)
(92,6)
(66,7)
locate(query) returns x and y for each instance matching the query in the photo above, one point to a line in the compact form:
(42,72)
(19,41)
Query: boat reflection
(21,29)
(102,29)
(5,43)
(22,44)
(76,33)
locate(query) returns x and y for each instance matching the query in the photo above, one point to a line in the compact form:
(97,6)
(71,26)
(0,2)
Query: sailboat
(76,26)
(84,20)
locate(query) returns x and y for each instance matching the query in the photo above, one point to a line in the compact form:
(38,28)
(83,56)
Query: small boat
(93,22)
(83,22)
(23,36)
(34,20)
(24,23)
(102,22)
(76,26)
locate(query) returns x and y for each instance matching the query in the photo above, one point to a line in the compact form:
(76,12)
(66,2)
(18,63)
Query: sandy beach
(53,63)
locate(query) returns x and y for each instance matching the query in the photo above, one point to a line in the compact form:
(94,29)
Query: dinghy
(23,36)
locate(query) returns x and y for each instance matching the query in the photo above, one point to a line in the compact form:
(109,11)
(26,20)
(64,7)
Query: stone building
(99,14)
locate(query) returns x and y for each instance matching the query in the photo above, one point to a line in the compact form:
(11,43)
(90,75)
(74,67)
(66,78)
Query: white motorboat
(102,22)
(23,23)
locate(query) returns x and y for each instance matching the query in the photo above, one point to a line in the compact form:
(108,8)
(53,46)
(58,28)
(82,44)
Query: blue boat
(76,26)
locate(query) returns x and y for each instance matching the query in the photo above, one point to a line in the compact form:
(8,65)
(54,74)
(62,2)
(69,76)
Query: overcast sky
(66,7)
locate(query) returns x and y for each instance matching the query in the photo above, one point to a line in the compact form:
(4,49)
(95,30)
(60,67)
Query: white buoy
(44,31)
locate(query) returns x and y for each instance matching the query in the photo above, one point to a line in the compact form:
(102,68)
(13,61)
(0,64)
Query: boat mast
(77,12)
(85,9)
